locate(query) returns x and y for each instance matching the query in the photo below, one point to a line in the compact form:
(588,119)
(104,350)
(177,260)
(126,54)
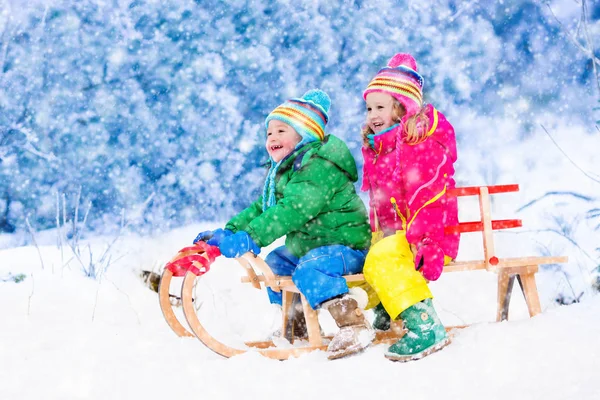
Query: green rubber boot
(438,327)
(382,318)
(425,334)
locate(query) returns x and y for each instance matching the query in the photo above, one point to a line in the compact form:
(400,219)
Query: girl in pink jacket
(409,150)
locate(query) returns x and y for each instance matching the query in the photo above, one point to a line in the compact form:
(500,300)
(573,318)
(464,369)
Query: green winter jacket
(316,204)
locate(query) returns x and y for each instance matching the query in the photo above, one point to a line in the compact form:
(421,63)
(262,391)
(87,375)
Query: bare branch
(103,260)
(59,236)
(35,243)
(5,40)
(568,158)
(76,217)
(128,298)
(64,211)
(31,137)
(590,44)
(573,242)
(556,193)
(465,6)
(31,294)
(588,51)
(95,301)
(31,148)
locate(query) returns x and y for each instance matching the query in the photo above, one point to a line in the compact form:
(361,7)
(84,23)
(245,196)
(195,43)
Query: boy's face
(380,111)
(281,139)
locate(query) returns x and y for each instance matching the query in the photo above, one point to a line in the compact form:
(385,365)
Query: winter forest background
(147,115)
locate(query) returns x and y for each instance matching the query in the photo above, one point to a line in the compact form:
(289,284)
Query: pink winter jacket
(417,177)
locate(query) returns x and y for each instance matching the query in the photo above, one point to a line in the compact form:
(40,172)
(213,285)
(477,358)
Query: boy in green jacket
(309,197)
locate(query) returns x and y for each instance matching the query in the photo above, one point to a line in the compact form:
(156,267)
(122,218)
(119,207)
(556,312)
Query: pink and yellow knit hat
(400,80)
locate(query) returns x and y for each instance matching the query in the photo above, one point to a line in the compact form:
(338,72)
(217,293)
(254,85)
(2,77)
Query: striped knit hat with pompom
(400,80)
(308,116)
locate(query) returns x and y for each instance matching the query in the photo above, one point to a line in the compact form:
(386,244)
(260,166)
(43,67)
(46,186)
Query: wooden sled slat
(167,308)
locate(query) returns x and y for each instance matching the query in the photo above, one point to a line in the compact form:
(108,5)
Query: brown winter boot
(355,332)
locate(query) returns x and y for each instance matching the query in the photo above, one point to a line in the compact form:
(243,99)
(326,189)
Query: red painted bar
(477,226)
(474,190)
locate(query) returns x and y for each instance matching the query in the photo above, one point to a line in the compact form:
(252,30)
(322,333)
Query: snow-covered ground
(65,336)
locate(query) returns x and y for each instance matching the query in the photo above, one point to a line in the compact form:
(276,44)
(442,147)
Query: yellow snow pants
(390,272)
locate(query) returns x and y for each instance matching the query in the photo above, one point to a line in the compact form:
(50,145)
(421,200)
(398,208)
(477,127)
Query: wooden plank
(458,266)
(521,269)
(251,275)
(530,261)
(513,265)
(511,282)
(397,326)
(354,278)
(474,190)
(287,301)
(531,294)
(455,266)
(487,234)
(286,281)
(502,295)
(260,264)
(312,323)
(477,226)
(263,344)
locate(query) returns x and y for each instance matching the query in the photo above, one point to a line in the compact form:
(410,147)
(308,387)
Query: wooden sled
(193,262)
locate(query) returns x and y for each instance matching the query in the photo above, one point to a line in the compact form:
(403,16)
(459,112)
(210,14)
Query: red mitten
(429,259)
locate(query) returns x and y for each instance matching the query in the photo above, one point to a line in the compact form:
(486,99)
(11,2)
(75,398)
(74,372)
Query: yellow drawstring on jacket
(395,205)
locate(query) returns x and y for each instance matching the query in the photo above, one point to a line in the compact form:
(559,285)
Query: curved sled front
(221,348)
(167,307)
(196,258)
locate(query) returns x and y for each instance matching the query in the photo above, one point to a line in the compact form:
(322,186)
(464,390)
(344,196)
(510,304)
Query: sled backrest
(485,225)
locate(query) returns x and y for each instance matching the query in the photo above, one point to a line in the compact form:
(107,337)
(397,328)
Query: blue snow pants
(318,273)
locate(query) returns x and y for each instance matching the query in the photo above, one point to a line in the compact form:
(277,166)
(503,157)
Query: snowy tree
(158,108)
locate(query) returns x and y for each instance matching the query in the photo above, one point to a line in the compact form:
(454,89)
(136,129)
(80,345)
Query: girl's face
(281,139)
(380,111)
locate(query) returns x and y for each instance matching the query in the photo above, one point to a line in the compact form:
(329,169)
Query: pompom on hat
(308,115)
(400,80)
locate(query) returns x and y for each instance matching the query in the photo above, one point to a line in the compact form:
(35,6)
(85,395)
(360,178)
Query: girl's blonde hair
(415,128)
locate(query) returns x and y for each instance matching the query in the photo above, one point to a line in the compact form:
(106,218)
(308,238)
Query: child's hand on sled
(429,259)
(238,244)
(213,238)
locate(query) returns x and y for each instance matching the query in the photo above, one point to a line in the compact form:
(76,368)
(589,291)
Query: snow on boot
(382,318)
(438,327)
(355,332)
(425,334)
(296,323)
